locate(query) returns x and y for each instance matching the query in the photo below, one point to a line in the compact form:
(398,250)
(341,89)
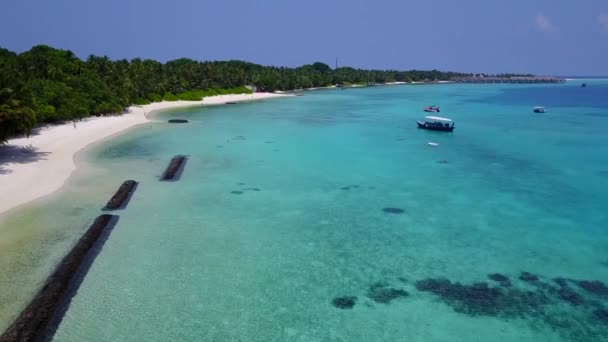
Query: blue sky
(552,37)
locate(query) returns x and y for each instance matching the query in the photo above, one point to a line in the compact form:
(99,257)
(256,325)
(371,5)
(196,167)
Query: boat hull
(424,125)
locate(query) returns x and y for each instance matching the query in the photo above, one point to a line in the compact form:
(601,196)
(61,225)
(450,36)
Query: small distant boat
(433,144)
(539,109)
(433,109)
(436,123)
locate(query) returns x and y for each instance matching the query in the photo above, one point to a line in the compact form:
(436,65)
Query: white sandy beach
(36,166)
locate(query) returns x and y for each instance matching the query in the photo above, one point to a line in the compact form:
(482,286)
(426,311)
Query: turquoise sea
(328,217)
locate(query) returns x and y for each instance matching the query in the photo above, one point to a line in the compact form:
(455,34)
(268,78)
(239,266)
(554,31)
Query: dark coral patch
(236,192)
(498,277)
(569,295)
(476,299)
(381,293)
(528,277)
(393,210)
(268,142)
(542,302)
(528,302)
(502,279)
(437,286)
(601,314)
(595,287)
(346,302)
(345,188)
(563,282)
(443,161)
(481,299)
(252,189)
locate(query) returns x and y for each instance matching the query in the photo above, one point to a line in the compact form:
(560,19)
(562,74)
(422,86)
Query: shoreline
(33,167)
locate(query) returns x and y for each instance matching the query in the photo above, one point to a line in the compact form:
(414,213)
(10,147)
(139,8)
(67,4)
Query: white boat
(436,123)
(539,109)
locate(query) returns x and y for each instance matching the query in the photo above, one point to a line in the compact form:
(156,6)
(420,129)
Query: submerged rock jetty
(178,121)
(35,321)
(122,196)
(174,169)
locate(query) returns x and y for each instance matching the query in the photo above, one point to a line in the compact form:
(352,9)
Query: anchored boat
(433,109)
(436,123)
(539,109)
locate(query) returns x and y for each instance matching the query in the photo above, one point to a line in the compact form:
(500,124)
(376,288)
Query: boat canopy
(539,107)
(437,118)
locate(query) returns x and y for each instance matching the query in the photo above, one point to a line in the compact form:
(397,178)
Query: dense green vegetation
(50,85)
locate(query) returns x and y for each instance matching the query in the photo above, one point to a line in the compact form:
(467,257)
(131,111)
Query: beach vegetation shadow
(11,154)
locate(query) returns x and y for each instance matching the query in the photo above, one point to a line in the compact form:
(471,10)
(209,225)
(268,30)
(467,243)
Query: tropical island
(79,97)
(47,85)
(45,88)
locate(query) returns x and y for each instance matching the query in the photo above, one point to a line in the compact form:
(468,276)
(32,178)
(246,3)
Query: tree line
(45,85)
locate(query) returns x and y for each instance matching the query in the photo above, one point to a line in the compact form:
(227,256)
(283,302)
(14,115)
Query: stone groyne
(38,321)
(122,196)
(174,169)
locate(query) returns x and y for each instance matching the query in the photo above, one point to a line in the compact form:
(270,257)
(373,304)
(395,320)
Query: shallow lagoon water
(281,209)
